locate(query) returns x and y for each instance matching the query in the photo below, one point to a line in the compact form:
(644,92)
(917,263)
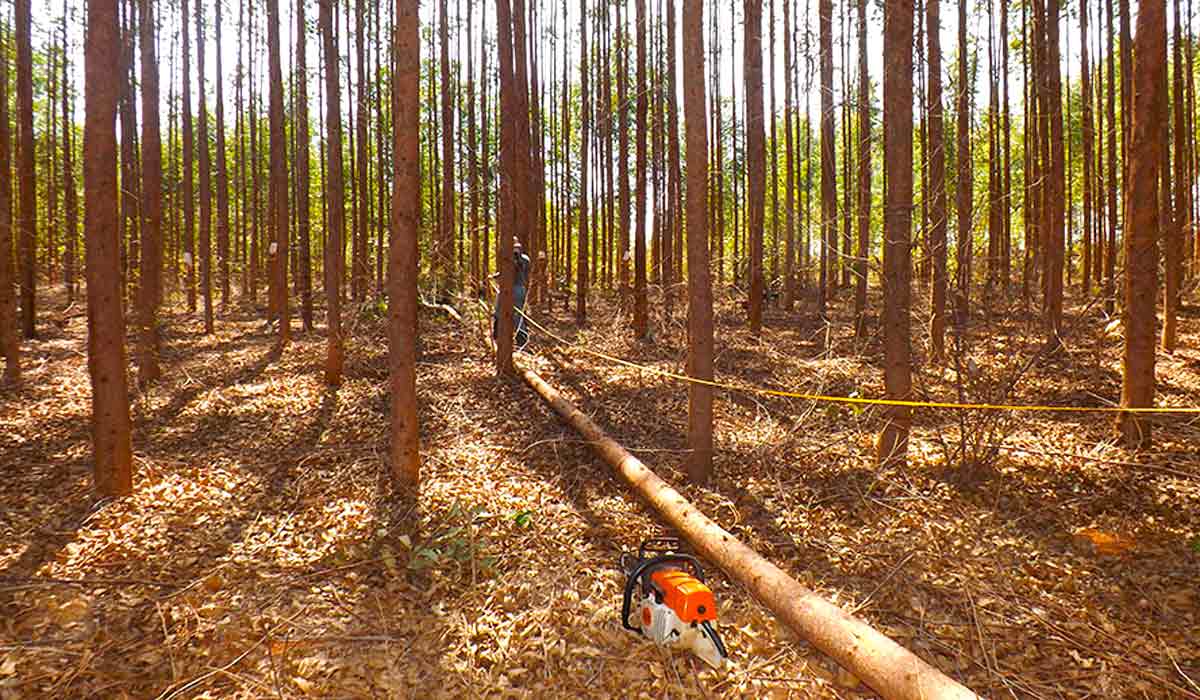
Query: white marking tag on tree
(187,259)
(274,247)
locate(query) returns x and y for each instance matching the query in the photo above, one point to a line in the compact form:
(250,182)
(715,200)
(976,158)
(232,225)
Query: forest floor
(264,554)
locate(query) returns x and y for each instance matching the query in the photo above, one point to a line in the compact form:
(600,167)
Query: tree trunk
(402,248)
(700,303)
(1177,223)
(26,170)
(205,167)
(152,203)
(222,176)
(9,342)
(864,176)
(965,168)
(279,188)
(585,144)
(1110,249)
(937,185)
(1088,136)
(335,194)
(828,161)
(111,440)
(892,447)
(303,225)
(1141,204)
(506,220)
(1053,201)
(70,196)
(755,156)
(641,309)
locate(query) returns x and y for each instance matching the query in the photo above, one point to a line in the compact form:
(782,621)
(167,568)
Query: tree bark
(700,303)
(279,188)
(152,203)
(26,171)
(864,176)
(965,168)
(828,161)
(336,196)
(303,223)
(111,441)
(892,447)
(1177,224)
(755,156)
(585,144)
(1088,149)
(1053,201)
(9,342)
(1141,204)
(70,196)
(402,249)
(506,224)
(222,175)
(937,185)
(641,310)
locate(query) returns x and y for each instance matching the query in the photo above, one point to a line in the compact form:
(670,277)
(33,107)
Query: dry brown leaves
(263,553)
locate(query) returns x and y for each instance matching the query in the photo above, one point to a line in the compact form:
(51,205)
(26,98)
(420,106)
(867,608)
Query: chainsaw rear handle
(635,575)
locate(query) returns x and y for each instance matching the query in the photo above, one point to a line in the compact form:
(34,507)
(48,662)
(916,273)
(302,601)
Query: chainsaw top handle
(635,575)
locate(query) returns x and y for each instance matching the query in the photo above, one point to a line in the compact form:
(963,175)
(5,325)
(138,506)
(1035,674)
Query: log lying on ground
(888,668)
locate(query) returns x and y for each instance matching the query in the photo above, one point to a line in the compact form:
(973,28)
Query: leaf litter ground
(264,554)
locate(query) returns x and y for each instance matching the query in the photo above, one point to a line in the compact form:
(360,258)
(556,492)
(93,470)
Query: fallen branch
(888,668)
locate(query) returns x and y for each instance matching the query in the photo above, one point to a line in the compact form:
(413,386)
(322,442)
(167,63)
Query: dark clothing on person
(521,264)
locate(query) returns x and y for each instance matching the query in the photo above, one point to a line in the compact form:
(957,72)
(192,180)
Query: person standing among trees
(520,287)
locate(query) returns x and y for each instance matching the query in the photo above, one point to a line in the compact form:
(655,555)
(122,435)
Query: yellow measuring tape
(851,399)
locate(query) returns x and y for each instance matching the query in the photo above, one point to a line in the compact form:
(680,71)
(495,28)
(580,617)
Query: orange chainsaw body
(691,600)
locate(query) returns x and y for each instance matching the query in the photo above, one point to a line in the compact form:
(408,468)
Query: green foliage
(458,546)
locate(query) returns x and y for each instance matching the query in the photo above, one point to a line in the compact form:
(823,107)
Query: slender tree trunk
(1141,202)
(279,188)
(189,150)
(937,185)
(700,311)
(864,176)
(335,194)
(641,310)
(1088,136)
(402,250)
(222,176)
(965,167)
(130,183)
(152,203)
(1110,258)
(892,447)
(303,224)
(1053,201)
(111,441)
(755,156)
(623,158)
(506,220)
(9,342)
(675,173)
(828,161)
(205,178)
(26,170)
(70,197)
(1177,223)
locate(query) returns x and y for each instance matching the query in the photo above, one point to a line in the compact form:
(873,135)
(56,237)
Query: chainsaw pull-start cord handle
(636,574)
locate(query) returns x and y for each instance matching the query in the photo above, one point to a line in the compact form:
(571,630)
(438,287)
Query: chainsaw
(674,607)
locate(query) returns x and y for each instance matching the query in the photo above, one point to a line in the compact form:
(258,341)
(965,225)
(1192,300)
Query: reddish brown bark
(937,185)
(892,447)
(303,224)
(26,171)
(700,303)
(506,226)
(335,194)
(279,207)
(9,342)
(641,310)
(152,203)
(862,255)
(828,160)
(755,157)
(111,442)
(222,174)
(402,249)
(1141,204)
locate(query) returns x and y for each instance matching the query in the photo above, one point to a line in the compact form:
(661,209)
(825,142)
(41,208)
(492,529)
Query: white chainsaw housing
(662,626)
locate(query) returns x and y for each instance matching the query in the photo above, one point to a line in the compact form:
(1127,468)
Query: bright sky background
(48,13)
